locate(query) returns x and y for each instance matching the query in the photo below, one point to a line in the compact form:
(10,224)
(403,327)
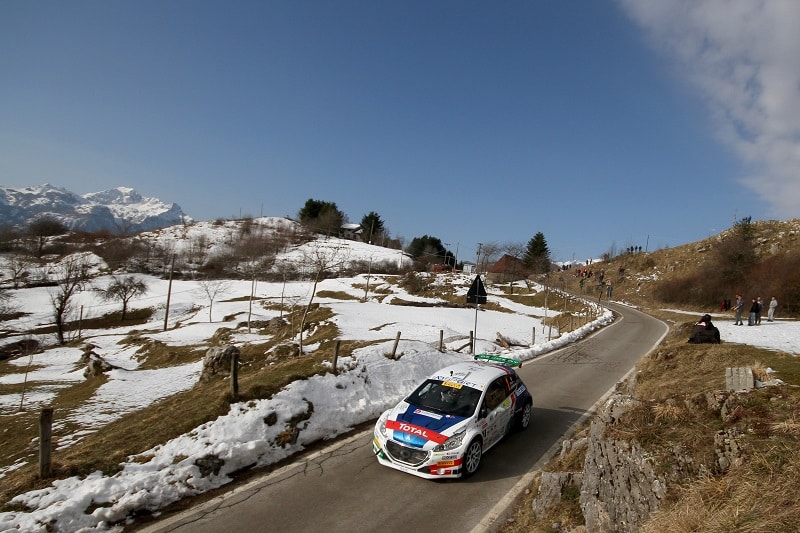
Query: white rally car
(443,428)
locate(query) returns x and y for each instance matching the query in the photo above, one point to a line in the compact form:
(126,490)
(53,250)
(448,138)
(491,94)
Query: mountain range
(120,210)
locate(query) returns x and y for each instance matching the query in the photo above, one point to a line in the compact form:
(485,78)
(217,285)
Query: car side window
(495,394)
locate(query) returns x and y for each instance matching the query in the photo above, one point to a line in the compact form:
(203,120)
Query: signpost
(476,295)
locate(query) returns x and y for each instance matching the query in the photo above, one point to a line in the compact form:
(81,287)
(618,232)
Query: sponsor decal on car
(429,414)
(417,431)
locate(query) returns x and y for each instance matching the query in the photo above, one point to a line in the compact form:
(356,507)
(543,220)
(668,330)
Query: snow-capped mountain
(119,210)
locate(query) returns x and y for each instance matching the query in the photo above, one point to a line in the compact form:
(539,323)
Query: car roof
(475,374)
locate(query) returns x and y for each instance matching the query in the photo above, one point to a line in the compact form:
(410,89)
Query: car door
(498,410)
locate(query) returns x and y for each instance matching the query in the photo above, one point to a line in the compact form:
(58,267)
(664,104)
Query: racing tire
(472,458)
(524,417)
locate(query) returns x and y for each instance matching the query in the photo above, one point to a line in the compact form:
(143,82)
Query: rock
(551,485)
(210,464)
(95,365)
(218,361)
(620,487)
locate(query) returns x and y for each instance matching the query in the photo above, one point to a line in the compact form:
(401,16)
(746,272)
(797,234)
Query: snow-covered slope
(119,210)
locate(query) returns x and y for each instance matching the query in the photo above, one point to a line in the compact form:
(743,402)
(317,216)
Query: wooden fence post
(336,358)
(235,377)
(533,335)
(441,340)
(45,442)
(472,342)
(396,342)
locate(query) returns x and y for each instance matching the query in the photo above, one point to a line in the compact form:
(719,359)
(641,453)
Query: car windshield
(446,397)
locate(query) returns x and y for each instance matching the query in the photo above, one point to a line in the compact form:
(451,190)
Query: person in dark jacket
(754,309)
(704,331)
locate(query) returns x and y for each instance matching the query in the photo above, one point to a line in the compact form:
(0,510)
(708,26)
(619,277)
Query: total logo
(426,434)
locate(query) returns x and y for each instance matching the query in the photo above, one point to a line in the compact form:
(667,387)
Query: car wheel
(524,417)
(472,457)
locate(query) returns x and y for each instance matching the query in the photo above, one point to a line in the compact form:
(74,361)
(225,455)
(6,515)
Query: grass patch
(676,388)
(336,295)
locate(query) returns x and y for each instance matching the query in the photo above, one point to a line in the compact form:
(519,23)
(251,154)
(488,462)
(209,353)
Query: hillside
(722,460)
(156,353)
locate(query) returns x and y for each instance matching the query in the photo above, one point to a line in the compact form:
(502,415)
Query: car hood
(422,428)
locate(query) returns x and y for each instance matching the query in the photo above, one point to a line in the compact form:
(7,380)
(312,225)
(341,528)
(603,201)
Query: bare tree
(487,252)
(5,299)
(319,259)
(44,227)
(517,269)
(124,289)
(211,288)
(197,252)
(19,264)
(71,274)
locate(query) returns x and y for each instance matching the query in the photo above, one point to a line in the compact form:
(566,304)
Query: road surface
(343,488)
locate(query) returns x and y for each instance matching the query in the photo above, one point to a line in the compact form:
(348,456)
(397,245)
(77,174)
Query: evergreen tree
(427,250)
(372,227)
(537,254)
(321,217)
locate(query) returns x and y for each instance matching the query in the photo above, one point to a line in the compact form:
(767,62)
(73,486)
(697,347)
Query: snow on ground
(781,335)
(367,384)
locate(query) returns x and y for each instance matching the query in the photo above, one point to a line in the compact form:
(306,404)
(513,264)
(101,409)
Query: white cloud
(743,57)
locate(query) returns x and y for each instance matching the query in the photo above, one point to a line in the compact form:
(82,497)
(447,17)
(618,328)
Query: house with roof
(507,268)
(352,231)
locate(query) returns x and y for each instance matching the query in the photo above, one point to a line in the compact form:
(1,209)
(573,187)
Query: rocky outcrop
(620,486)
(218,361)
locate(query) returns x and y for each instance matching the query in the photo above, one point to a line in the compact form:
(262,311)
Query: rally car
(443,428)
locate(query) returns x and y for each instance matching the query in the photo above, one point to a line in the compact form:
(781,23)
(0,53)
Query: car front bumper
(415,461)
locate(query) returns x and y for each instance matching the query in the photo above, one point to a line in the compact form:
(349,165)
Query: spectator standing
(751,318)
(773,303)
(760,309)
(609,288)
(738,307)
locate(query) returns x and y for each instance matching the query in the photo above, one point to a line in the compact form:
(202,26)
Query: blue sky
(603,124)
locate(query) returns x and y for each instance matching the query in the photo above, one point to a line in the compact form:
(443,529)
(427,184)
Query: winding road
(343,488)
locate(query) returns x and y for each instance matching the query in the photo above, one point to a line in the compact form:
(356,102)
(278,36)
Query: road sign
(477,292)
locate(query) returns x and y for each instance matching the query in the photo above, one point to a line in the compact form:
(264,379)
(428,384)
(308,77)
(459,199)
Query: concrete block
(739,379)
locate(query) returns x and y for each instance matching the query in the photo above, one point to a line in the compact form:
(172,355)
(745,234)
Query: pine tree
(537,254)
(372,227)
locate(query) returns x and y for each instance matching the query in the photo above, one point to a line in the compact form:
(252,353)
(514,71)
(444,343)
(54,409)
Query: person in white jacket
(771,312)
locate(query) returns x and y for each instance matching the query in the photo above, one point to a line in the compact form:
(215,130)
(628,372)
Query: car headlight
(381,424)
(451,443)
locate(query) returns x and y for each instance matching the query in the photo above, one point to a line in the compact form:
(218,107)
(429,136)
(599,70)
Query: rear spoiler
(498,359)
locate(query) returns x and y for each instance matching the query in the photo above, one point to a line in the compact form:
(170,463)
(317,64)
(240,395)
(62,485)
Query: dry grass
(674,386)
(758,496)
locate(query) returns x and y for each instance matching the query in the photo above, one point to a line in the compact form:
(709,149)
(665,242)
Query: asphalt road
(343,488)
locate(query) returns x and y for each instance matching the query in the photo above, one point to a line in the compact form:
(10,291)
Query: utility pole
(169,292)
(478,261)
